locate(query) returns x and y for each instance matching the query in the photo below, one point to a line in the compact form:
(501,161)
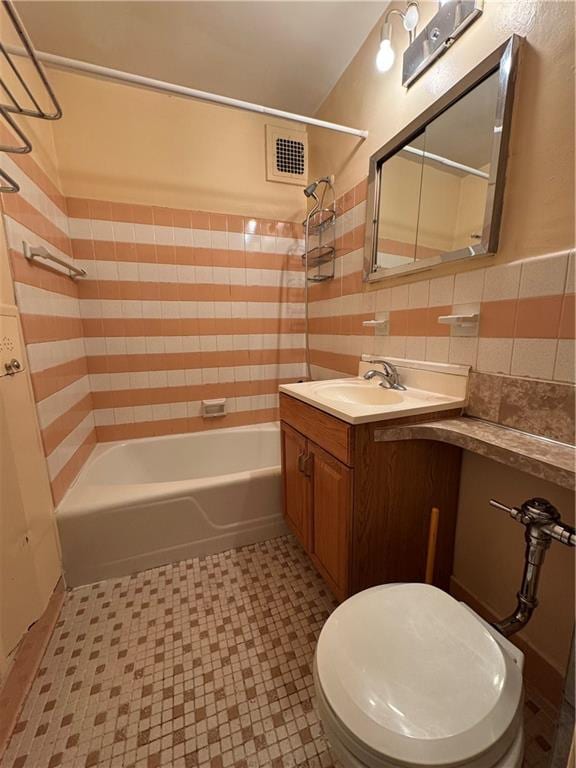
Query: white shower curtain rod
(61,62)
(445,161)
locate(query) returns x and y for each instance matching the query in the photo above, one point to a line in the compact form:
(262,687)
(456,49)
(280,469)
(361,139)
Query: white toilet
(407,676)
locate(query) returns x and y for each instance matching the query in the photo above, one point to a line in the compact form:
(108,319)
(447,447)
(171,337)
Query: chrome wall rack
(17,93)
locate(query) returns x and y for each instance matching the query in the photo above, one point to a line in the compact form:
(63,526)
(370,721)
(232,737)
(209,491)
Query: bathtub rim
(133,494)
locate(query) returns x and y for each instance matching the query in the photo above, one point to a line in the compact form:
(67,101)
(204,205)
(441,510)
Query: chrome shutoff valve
(543,524)
(542,513)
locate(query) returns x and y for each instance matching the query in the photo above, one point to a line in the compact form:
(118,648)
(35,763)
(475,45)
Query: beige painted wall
(538,215)
(126,144)
(489,553)
(29,550)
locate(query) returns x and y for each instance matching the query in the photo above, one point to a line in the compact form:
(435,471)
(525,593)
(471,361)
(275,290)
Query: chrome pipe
(310,191)
(542,521)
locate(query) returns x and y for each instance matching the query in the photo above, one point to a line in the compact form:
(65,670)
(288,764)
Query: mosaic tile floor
(204,664)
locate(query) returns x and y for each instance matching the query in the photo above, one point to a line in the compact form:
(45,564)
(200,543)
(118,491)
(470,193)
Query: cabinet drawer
(333,435)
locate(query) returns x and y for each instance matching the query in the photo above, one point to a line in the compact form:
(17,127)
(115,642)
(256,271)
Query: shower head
(311,188)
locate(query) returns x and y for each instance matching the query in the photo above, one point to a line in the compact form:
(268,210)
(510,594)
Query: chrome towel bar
(39,252)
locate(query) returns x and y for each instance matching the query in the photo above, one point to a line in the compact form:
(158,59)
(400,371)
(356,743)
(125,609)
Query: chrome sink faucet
(390,376)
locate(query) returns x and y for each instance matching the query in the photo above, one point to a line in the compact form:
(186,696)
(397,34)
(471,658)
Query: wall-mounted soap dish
(213,408)
(462,325)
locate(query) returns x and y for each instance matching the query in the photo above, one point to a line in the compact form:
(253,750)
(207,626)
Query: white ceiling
(287,55)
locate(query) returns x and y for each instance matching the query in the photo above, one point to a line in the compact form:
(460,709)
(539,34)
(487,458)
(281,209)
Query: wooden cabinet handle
(305,463)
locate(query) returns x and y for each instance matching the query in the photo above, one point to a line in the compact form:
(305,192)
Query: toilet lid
(415,676)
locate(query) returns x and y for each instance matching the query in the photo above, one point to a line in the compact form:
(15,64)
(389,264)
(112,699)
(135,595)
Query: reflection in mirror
(435,191)
(400,180)
(455,174)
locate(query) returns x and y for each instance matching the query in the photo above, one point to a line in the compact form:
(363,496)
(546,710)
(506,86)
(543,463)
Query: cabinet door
(296,484)
(331,516)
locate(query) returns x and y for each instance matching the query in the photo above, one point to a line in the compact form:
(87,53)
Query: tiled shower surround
(177,306)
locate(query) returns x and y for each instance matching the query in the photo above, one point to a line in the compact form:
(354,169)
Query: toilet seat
(415,678)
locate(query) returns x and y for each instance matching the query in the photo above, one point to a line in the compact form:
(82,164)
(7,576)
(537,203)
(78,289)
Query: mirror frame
(503,60)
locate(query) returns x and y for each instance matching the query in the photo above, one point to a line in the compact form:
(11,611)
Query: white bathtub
(143,503)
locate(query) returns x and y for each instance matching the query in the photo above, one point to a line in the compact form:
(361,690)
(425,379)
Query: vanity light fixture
(410,16)
(449,22)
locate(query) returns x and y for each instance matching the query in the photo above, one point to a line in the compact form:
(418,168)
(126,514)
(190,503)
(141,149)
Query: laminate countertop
(538,456)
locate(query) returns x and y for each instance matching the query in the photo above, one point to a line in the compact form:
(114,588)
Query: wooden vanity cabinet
(360,508)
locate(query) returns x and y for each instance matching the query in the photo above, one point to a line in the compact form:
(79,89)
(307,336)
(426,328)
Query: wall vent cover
(286,155)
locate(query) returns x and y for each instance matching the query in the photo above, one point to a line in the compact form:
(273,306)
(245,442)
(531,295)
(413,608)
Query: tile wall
(51,320)
(526,311)
(177,306)
(180,306)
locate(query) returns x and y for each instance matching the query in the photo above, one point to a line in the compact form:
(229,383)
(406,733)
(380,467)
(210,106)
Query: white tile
(463,351)
(219,240)
(502,282)
(564,368)
(441,291)
(201,238)
(437,348)
(418,294)
(123,232)
(534,358)
(399,297)
(80,229)
(416,347)
(383,300)
(468,286)
(494,355)
(102,230)
(544,276)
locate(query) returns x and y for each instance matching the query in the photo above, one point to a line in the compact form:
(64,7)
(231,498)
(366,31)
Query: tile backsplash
(526,309)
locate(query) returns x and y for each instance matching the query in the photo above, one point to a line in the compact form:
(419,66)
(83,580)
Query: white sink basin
(358,393)
(358,401)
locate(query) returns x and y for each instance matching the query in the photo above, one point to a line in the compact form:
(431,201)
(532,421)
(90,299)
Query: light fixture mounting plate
(452,18)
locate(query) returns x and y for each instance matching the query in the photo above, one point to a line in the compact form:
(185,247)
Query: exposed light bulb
(385,56)
(411,18)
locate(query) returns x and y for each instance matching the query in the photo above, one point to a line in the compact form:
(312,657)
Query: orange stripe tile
(133,290)
(498,318)
(184,327)
(207,257)
(64,425)
(30,167)
(21,211)
(121,398)
(175,361)
(51,380)
(41,276)
(347,364)
(567,321)
(47,328)
(69,471)
(538,317)
(434,328)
